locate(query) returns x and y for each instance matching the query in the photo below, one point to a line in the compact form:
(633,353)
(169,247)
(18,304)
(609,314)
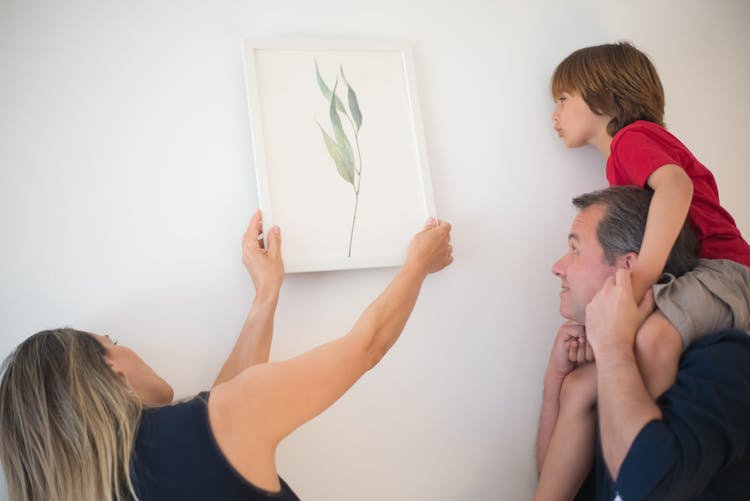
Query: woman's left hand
(265,266)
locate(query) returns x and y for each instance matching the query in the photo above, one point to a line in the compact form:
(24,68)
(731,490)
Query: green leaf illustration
(353,103)
(344,167)
(338,131)
(339,147)
(326,91)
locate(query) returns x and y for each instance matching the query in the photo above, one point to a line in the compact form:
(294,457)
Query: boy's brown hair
(614,79)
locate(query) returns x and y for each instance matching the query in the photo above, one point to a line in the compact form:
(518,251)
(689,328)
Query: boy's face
(576,124)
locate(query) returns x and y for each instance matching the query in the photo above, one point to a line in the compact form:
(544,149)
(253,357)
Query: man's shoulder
(723,340)
(722,356)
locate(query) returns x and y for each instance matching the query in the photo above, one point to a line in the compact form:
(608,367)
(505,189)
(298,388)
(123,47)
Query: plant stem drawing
(339,146)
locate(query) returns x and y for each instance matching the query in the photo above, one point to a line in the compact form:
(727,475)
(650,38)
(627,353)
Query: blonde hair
(67,421)
(613,79)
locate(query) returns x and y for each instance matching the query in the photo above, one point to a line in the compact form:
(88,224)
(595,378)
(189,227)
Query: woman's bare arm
(266,269)
(251,413)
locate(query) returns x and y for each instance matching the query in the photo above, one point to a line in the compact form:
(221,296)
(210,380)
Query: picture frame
(339,150)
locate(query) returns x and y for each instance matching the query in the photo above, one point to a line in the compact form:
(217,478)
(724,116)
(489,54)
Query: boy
(610,96)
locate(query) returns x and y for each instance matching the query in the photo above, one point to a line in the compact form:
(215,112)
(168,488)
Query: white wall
(126,182)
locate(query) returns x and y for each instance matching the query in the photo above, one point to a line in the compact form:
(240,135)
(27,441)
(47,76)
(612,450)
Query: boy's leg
(571,449)
(658,346)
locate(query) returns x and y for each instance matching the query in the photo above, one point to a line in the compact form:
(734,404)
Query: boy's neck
(602,143)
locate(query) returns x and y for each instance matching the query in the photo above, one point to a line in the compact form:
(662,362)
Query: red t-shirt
(640,148)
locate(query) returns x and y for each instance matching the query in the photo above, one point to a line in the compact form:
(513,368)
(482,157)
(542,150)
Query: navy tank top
(176,457)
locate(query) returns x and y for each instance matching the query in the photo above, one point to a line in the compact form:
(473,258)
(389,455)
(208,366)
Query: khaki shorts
(713,296)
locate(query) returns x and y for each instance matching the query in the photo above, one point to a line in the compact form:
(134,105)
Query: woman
(83,418)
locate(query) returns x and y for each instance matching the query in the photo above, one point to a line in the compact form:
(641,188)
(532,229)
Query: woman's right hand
(265,266)
(430,249)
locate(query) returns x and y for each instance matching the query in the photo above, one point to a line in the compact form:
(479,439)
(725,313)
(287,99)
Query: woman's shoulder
(239,430)
(177,456)
(183,412)
(163,427)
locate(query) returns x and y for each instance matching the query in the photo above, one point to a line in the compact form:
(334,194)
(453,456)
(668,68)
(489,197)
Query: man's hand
(624,404)
(612,317)
(265,266)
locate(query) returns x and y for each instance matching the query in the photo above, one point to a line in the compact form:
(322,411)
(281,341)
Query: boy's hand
(580,350)
(566,343)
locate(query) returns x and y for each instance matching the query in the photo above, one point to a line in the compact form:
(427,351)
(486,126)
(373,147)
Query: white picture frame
(338,208)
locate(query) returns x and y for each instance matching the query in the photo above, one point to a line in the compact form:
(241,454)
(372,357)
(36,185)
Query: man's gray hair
(621,229)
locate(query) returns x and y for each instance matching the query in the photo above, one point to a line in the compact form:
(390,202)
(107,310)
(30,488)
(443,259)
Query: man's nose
(558,268)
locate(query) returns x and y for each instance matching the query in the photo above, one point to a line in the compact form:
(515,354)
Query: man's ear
(627,261)
(115,368)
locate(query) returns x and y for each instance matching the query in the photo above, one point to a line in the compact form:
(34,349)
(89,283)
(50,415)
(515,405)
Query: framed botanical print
(339,150)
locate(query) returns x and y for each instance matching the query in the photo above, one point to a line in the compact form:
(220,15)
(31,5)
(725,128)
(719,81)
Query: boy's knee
(658,340)
(658,347)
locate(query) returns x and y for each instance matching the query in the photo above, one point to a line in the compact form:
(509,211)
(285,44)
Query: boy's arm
(673,192)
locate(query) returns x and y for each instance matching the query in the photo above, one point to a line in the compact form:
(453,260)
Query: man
(694,441)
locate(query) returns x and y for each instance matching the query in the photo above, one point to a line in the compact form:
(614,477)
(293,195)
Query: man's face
(583,269)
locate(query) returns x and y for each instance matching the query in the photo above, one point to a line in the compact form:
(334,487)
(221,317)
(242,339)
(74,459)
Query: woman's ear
(115,368)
